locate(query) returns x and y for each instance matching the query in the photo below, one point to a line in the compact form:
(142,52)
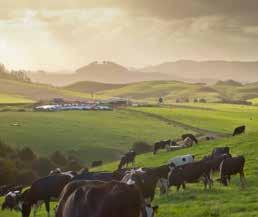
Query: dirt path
(199,132)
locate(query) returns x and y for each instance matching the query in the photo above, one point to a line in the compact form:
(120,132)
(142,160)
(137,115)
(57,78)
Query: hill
(106,72)
(149,91)
(208,71)
(35,92)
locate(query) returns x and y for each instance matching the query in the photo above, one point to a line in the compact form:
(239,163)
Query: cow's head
(11,201)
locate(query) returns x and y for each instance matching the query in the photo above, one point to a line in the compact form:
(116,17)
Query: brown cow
(103,199)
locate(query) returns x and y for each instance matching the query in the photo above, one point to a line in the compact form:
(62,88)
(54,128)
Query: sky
(55,35)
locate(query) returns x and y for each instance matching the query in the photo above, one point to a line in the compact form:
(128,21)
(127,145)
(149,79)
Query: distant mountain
(106,72)
(208,71)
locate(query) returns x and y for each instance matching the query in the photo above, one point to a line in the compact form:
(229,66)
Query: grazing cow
(97,163)
(5,189)
(11,201)
(191,136)
(43,190)
(146,179)
(220,151)
(188,142)
(129,157)
(190,173)
(98,199)
(232,166)
(181,160)
(239,130)
(161,145)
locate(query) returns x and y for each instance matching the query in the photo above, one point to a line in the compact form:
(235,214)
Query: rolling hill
(11,89)
(106,72)
(149,91)
(208,71)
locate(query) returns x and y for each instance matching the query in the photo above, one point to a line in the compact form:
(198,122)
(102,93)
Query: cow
(161,145)
(232,166)
(11,201)
(129,157)
(220,151)
(43,190)
(96,163)
(191,136)
(100,199)
(146,179)
(188,142)
(181,160)
(239,130)
(190,173)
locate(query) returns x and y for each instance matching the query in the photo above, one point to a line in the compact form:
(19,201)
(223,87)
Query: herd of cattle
(124,192)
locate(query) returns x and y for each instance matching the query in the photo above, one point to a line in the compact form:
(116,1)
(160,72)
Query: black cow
(232,166)
(161,145)
(129,157)
(191,136)
(43,190)
(190,173)
(11,201)
(96,163)
(239,130)
(146,179)
(99,199)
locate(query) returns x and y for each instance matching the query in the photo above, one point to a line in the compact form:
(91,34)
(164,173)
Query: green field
(104,132)
(93,134)
(195,201)
(215,117)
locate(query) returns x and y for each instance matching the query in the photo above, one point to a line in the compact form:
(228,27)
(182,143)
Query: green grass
(93,134)
(214,117)
(220,201)
(195,201)
(13,99)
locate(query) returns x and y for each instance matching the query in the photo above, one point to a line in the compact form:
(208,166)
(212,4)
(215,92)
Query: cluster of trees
(24,166)
(13,74)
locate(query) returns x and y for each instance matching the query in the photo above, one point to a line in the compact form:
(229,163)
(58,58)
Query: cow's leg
(242,180)
(35,207)
(178,187)
(47,205)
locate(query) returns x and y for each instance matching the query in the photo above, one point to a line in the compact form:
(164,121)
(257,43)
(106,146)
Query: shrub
(141,147)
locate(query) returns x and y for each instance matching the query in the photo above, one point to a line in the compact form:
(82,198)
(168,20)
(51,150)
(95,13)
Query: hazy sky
(66,34)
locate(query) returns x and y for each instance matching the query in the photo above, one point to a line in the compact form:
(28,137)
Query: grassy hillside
(92,134)
(149,91)
(220,201)
(12,99)
(12,88)
(194,201)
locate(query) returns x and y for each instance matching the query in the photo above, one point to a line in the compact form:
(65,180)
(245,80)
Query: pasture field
(92,134)
(214,117)
(220,201)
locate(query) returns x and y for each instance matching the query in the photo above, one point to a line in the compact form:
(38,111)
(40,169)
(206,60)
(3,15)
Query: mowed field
(92,134)
(151,124)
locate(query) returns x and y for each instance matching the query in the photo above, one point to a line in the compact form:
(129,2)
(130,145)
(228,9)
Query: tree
(26,154)
(43,166)
(58,158)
